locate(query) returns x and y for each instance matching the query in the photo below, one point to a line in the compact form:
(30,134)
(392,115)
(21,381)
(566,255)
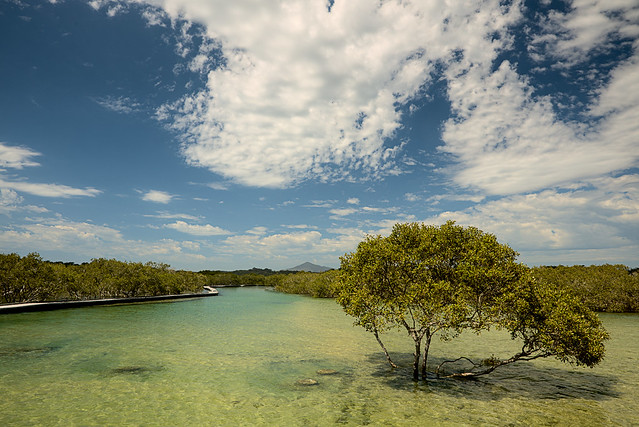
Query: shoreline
(30,307)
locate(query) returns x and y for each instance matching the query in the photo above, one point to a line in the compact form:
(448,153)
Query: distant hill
(310,267)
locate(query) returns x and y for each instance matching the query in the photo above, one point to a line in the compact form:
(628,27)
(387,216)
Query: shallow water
(236,359)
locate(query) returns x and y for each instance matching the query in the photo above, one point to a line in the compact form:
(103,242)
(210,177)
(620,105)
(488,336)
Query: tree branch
(375,332)
(491,365)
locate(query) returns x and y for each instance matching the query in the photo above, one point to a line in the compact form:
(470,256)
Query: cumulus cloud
(196,229)
(157,196)
(9,200)
(593,218)
(307,93)
(587,25)
(507,141)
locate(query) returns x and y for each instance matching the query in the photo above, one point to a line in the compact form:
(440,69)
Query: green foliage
(32,279)
(609,288)
(227,278)
(26,279)
(319,285)
(552,322)
(447,279)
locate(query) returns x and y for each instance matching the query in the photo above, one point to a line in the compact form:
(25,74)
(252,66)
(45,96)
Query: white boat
(210,290)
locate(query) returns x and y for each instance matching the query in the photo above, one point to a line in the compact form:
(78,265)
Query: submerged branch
(489,364)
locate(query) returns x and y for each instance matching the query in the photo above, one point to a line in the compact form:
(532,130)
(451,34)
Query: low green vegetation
(319,285)
(227,278)
(430,280)
(607,288)
(29,279)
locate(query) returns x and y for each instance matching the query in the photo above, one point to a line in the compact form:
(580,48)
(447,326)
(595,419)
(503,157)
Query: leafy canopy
(428,279)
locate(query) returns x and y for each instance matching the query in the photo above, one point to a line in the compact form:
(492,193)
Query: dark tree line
(604,288)
(30,279)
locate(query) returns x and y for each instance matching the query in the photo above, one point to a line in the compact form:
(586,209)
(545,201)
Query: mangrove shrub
(443,280)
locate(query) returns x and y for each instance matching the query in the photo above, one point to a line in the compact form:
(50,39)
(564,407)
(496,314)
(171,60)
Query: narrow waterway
(237,359)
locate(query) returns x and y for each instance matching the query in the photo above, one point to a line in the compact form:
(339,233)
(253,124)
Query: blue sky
(225,135)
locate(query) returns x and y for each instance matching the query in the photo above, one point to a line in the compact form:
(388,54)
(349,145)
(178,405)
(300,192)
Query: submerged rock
(307,382)
(27,351)
(131,370)
(327,372)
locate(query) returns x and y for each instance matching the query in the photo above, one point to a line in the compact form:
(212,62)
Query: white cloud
(167,215)
(257,231)
(10,202)
(411,197)
(16,157)
(154,17)
(286,248)
(321,204)
(114,10)
(343,211)
(48,190)
(378,210)
(353,201)
(305,93)
(252,244)
(595,218)
(122,104)
(624,81)
(9,197)
(507,141)
(19,157)
(158,196)
(588,25)
(197,230)
(60,238)
(300,226)
(218,186)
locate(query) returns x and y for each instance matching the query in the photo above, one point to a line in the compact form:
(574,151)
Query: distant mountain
(310,267)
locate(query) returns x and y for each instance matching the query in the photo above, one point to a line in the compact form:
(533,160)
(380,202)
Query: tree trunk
(384,348)
(418,353)
(426,348)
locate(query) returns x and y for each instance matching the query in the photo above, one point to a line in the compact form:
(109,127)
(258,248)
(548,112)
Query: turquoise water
(236,360)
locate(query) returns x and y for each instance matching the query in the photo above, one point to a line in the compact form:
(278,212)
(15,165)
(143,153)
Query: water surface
(236,360)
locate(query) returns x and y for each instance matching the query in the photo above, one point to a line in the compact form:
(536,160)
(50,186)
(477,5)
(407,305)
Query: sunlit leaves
(447,279)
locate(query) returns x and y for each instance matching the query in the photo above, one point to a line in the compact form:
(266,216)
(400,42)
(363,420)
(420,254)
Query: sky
(227,135)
